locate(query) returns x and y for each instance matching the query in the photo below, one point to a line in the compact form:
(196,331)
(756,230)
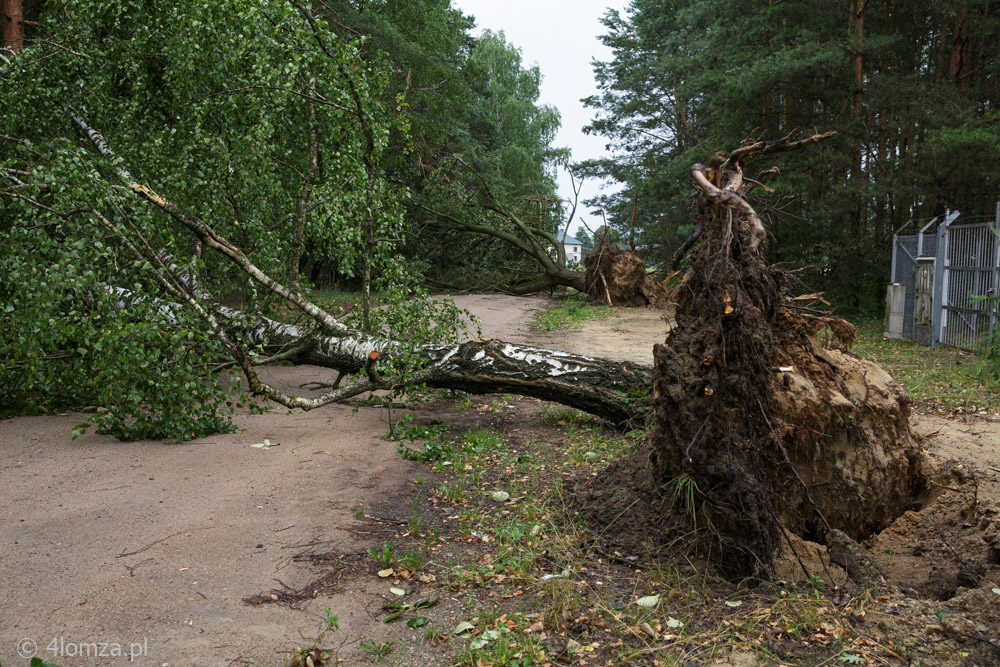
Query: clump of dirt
(619,278)
(843,423)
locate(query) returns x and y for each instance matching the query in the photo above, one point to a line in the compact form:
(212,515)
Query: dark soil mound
(633,514)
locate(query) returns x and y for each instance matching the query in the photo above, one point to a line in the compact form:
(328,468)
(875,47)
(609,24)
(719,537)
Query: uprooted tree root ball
(619,278)
(760,429)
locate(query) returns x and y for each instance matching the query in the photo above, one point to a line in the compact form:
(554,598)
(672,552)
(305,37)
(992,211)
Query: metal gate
(969,278)
(952,276)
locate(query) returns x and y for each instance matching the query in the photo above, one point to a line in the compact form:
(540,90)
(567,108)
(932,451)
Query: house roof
(567,239)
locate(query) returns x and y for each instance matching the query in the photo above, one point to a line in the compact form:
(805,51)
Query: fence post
(893,278)
(992,303)
(938,304)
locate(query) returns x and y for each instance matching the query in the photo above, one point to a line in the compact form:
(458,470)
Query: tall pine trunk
(13,24)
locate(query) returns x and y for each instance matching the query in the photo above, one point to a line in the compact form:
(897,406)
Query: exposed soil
(167,545)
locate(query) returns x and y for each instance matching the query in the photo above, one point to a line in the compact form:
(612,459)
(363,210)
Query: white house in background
(572,246)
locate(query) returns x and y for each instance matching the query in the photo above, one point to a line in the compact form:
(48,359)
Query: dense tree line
(479,146)
(911,87)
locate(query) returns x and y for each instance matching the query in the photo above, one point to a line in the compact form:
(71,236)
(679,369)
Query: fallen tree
(540,245)
(609,275)
(601,387)
(598,386)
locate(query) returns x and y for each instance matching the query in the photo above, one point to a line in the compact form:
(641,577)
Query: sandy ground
(157,544)
(153,546)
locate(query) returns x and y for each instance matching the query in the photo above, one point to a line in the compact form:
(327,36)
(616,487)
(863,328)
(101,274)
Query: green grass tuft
(568,314)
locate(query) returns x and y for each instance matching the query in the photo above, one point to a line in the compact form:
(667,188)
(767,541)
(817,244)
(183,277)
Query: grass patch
(940,379)
(334,300)
(568,314)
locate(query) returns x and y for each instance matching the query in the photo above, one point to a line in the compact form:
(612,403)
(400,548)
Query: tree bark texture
(13,24)
(609,389)
(549,280)
(302,211)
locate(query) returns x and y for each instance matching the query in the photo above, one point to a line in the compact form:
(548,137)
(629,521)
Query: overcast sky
(562,39)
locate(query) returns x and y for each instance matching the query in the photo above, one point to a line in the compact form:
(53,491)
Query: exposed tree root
(773,430)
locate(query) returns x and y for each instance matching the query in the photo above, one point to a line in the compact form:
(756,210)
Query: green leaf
(425,603)
(417,622)
(267,444)
(850,658)
(463,629)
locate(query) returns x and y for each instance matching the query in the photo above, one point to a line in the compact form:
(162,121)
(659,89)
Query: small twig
(132,569)
(384,520)
(139,551)
(758,184)
(945,486)
(954,553)
(687,452)
(978,639)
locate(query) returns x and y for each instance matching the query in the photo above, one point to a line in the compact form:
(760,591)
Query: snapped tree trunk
(613,390)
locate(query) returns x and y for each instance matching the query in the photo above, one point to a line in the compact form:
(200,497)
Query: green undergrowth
(940,379)
(568,313)
(335,300)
